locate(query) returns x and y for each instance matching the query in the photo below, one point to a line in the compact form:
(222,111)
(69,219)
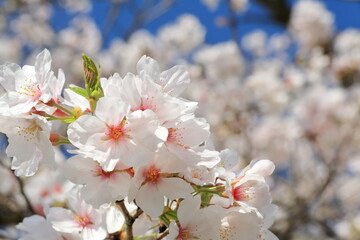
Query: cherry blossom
(193,221)
(114,134)
(100,186)
(82,219)
(157,180)
(30,85)
(37,227)
(32,133)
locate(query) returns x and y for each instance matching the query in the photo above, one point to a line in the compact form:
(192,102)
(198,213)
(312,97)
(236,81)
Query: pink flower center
(241,193)
(45,193)
(83,221)
(184,234)
(33,91)
(146,103)
(130,171)
(152,175)
(175,137)
(103,174)
(117,133)
(58,188)
(37,95)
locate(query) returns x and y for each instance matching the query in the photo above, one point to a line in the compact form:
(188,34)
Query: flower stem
(53,103)
(145,236)
(50,118)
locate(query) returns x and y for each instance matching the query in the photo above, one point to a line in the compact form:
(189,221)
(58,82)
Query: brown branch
(28,203)
(280,10)
(162,235)
(234,25)
(30,209)
(139,211)
(129,221)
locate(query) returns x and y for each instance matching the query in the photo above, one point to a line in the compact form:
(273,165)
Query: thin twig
(145,14)
(234,25)
(139,211)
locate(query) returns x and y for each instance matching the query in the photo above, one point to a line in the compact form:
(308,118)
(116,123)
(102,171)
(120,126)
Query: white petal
(29,222)
(193,132)
(129,92)
(43,61)
(97,194)
(79,169)
(188,209)
(37,227)
(114,219)
(63,220)
(91,233)
(47,151)
(229,159)
(135,155)
(246,225)
(148,66)
(142,225)
(8,75)
(173,231)
(174,188)
(150,200)
(56,85)
(43,67)
(82,132)
(269,213)
(111,110)
(263,167)
(175,80)
(146,130)
(75,100)
(26,168)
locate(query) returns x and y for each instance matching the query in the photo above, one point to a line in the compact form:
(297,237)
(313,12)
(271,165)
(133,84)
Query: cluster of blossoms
(143,165)
(303,114)
(292,97)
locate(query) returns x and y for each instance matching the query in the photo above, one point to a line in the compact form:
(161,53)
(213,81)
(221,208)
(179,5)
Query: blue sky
(346,12)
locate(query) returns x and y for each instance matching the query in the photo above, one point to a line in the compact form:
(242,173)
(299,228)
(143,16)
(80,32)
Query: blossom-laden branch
(135,140)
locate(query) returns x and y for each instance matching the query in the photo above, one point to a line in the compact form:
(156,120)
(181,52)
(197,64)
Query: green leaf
(96,94)
(80,91)
(171,215)
(68,120)
(205,199)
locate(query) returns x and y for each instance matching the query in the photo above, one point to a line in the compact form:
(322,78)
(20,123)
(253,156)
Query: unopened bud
(56,139)
(92,81)
(91,72)
(35,111)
